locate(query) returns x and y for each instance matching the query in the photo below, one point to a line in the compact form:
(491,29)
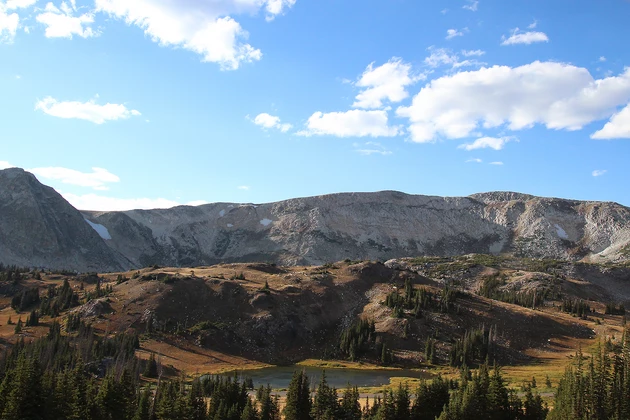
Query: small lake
(280,376)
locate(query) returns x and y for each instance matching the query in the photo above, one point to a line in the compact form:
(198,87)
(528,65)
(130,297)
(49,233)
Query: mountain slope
(378,225)
(38,227)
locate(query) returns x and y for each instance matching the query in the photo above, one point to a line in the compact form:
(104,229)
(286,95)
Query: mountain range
(39,228)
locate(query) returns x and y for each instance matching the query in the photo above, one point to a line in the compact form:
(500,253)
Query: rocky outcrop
(316,230)
(38,228)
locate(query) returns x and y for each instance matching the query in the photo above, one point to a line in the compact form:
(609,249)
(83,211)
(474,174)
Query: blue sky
(152,103)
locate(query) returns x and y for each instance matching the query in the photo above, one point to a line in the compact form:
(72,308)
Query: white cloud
(473,53)
(386,82)
(9,24)
(533,24)
(244,187)
(440,56)
(617,128)
(97,179)
(203,27)
(602,59)
(496,163)
(472,5)
(496,143)
(89,111)
(5,165)
(599,172)
(452,33)
(63,24)
(474,160)
(372,148)
(446,57)
(267,121)
(444,11)
(102,203)
(558,95)
(19,4)
(353,123)
(526,38)
(277,7)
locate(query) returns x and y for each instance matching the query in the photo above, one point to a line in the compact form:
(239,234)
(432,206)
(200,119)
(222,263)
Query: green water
(280,376)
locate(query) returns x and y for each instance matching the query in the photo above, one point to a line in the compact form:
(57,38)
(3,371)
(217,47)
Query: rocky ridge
(312,230)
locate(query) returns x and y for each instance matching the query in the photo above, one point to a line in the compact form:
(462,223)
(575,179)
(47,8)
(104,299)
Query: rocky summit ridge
(39,228)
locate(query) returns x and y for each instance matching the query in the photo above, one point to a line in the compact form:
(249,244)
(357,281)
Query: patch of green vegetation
(206,325)
(487,260)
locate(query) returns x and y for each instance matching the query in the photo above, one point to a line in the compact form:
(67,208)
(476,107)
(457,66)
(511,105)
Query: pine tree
(298,404)
(325,403)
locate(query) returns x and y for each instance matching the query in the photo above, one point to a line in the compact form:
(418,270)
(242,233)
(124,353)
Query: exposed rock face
(38,228)
(315,230)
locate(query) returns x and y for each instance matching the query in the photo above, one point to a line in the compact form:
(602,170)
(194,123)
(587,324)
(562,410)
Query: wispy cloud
(473,53)
(371,148)
(533,24)
(453,33)
(525,38)
(496,143)
(474,160)
(244,187)
(599,172)
(89,111)
(497,163)
(472,5)
(97,179)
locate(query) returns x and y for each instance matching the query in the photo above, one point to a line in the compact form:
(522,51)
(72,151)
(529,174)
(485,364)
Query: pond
(280,376)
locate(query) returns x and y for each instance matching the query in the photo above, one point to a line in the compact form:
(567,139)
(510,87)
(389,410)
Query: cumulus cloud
(353,123)
(452,33)
(496,143)
(5,165)
(203,27)
(386,82)
(617,128)
(599,172)
(267,121)
(97,179)
(89,111)
(9,23)
(526,38)
(61,23)
(557,95)
(19,4)
(472,5)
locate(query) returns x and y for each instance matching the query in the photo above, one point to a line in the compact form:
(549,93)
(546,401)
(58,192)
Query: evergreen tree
(298,404)
(325,405)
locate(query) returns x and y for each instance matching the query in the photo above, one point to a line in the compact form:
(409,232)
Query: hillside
(303,231)
(228,316)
